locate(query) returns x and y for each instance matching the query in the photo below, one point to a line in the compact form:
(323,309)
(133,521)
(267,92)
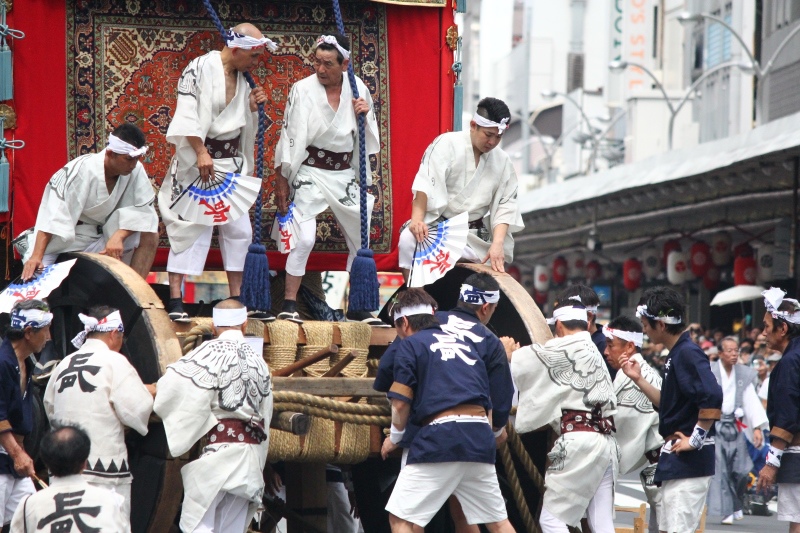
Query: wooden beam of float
(342,387)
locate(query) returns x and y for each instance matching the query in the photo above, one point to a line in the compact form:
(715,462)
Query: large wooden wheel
(150,345)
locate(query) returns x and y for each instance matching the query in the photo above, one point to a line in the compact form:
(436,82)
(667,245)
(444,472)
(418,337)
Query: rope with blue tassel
(255,290)
(364,295)
(5,169)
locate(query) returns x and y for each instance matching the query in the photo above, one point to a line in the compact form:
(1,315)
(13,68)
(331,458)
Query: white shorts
(407,243)
(789,502)
(422,489)
(12,490)
(682,502)
(234,240)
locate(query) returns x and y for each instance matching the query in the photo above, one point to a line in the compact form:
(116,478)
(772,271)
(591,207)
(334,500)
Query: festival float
(83,67)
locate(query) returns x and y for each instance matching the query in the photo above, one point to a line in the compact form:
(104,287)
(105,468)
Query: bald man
(221,390)
(213,130)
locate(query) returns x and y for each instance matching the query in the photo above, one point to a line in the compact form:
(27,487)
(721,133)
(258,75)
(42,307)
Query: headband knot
(330,39)
(486,123)
(569,312)
(110,322)
(773,298)
(642,311)
(245,42)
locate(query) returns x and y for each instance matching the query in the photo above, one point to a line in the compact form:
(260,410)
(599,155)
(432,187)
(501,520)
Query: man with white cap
(98,389)
(636,419)
(689,402)
(27,334)
(222,390)
(214,132)
(565,384)
(782,329)
(442,384)
(317,160)
(101,203)
(466,171)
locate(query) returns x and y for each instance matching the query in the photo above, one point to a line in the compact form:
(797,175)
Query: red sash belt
(327,160)
(593,421)
(233,430)
(226,149)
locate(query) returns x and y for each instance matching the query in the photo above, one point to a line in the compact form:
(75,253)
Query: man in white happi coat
(466,171)
(98,389)
(636,419)
(70,504)
(565,384)
(221,389)
(100,203)
(214,132)
(742,416)
(317,158)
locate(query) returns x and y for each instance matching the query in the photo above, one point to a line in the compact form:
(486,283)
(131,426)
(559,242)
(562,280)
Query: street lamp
(619,66)
(756,69)
(594,137)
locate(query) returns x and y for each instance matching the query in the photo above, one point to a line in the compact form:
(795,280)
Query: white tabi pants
(227,514)
(682,502)
(234,239)
(94,246)
(600,512)
(407,244)
(12,490)
(298,258)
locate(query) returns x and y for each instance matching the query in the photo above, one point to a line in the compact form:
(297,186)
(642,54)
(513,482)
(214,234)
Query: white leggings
(298,257)
(600,512)
(228,514)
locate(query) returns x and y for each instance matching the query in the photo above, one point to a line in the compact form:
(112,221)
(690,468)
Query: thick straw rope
(356,337)
(319,336)
(282,348)
(281,397)
(519,498)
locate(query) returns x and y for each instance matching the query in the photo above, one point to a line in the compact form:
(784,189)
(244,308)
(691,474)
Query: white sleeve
(131,401)
(185,410)
(431,177)
(762,390)
(754,413)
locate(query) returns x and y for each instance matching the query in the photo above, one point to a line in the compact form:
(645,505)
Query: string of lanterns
(703,260)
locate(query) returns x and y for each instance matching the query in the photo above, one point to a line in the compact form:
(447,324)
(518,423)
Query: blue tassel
(255,279)
(364,286)
(6,81)
(4,172)
(458,105)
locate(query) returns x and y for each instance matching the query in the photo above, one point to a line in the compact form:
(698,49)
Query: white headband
(486,123)
(589,308)
(471,295)
(413,310)
(35,318)
(773,298)
(642,311)
(330,39)
(568,313)
(225,318)
(632,336)
(245,42)
(118,146)
(111,322)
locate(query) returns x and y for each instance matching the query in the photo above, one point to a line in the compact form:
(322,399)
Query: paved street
(629,493)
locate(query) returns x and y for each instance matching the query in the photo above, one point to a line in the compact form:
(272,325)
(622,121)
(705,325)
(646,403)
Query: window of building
(718,39)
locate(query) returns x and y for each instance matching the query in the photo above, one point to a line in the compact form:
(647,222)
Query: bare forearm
(197,145)
(42,240)
(705,423)
(400,412)
(9,442)
(499,233)
(419,206)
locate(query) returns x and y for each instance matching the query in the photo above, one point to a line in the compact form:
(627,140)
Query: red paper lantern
(541,278)
(743,250)
(678,267)
(744,270)
(700,258)
(593,270)
(721,248)
(711,279)
(632,274)
(514,272)
(559,274)
(672,245)
(539,297)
